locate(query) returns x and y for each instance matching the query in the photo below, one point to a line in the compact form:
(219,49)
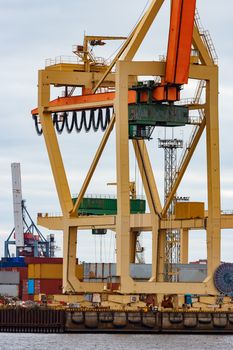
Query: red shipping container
(23,272)
(26,297)
(48,286)
(36,287)
(36,260)
(113,286)
(24,287)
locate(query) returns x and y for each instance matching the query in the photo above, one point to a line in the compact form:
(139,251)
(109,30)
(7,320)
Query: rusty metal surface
(32,320)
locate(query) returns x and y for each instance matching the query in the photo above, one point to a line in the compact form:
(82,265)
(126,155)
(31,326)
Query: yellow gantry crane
(134,109)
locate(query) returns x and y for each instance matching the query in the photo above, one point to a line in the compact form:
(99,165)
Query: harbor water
(28,341)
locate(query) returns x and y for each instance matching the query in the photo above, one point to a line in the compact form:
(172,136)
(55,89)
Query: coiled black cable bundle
(86,122)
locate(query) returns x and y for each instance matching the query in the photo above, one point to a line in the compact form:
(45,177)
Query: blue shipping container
(12,264)
(31,286)
(16,259)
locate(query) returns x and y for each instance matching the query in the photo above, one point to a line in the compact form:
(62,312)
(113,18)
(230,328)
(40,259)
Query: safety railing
(206,37)
(46,215)
(62,59)
(227,212)
(104,196)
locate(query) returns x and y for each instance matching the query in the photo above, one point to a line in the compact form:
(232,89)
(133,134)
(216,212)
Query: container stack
(100,272)
(44,278)
(28,277)
(9,284)
(35,276)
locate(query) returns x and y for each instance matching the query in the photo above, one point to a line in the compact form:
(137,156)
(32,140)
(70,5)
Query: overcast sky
(30,32)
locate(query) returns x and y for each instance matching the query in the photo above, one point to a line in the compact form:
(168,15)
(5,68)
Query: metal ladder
(200,87)
(206,38)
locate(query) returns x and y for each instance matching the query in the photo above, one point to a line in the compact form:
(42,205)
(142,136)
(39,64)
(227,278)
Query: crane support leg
(161,255)
(147,176)
(184,245)
(133,242)
(69,257)
(213,174)
(53,146)
(152,196)
(122,160)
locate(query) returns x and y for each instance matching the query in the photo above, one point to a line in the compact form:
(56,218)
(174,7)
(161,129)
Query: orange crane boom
(176,73)
(180,41)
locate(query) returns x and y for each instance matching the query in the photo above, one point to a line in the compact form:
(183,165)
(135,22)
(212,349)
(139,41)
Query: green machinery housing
(145,116)
(108,206)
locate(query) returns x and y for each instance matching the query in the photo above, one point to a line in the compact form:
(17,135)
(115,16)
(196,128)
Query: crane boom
(180,41)
(176,72)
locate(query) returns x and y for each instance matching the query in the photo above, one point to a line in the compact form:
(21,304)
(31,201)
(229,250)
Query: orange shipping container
(50,271)
(189,210)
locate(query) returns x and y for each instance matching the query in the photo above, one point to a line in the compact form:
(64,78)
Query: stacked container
(100,272)
(45,276)
(9,283)
(13,262)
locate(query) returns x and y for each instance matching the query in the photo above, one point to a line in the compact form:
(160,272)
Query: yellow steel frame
(123,223)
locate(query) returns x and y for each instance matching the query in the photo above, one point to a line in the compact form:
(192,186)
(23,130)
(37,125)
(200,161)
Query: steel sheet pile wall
(32,320)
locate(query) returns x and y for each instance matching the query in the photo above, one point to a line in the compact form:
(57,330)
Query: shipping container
(23,271)
(98,270)
(94,280)
(51,286)
(140,271)
(105,270)
(189,210)
(24,287)
(9,290)
(113,286)
(9,277)
(12,264)
(31,286)
(37,286)
(47,286)
(26,297)
(191,272)
(19,259)
(50,271)
(37,260)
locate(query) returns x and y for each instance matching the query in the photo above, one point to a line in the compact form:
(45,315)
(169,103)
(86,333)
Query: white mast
(17,204)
